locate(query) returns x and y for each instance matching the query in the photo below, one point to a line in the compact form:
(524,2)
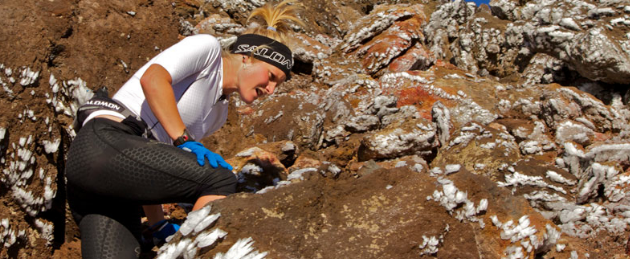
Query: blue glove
(203,153)
(163,229)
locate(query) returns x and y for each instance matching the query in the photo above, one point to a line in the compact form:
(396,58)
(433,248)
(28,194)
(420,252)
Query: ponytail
(277,20)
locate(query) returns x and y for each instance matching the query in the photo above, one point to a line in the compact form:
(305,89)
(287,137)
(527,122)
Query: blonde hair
(276,20)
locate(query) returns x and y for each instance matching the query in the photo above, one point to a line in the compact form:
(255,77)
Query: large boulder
(428,215)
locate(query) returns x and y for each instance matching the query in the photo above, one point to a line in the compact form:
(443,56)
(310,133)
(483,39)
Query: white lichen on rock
(197,224)
(456,202)
(517,179)
(243,248)
(524,236)
(430,244)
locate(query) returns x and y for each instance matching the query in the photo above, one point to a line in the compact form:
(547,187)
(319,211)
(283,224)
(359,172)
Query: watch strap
(185,137)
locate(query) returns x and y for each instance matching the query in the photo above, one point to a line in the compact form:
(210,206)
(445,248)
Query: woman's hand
(203,153)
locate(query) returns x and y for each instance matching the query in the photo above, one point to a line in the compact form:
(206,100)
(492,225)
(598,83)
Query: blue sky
(479,2)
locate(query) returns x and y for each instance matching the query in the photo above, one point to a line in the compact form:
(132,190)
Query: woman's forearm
(157,88)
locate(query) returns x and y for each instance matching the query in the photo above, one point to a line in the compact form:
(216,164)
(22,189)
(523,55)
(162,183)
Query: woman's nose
(271,87)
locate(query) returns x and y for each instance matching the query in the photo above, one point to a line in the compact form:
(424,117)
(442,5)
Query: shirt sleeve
(191,55)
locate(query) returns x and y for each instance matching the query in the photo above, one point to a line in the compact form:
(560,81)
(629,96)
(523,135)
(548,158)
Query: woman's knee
(104,237)
(222,182)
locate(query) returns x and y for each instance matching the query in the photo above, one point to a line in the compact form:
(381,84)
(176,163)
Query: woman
(118,163)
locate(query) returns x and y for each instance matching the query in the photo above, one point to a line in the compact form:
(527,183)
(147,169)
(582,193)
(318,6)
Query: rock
(538,141)
(239,10)
(567,103)
(518,128)
(592,169)
(574,132)
(367,205)
(362,123)
(384,105)
(219,26)
(365,201)
(256,169)
(391,43)
(406,112)
(582,47)
(598,56)
(442,120)
(381,18)
(504,9)
(307,50)
(304,125)
(412,137)
(415,58)
(479,149)
(543,69)
(414,162)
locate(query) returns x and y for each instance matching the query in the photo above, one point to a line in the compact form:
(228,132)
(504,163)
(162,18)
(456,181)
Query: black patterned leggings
(112,171)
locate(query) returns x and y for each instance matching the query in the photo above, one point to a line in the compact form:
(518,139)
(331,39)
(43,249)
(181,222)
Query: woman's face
(258,78)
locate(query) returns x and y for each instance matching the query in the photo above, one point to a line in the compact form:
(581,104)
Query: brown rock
(380,202)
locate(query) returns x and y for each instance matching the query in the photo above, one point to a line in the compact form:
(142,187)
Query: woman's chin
(248,99)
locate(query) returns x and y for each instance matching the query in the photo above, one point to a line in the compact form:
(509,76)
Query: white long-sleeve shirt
(196,70)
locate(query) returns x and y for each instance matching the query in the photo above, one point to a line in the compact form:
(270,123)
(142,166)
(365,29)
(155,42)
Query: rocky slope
(411,128)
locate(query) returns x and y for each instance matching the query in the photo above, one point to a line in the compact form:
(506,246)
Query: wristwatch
(185,137)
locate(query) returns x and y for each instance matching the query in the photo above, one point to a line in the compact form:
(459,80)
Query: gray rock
(362,123)
(573,131)
(413,138)
(442,120)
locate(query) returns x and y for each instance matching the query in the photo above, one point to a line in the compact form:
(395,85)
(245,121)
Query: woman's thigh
(107,160)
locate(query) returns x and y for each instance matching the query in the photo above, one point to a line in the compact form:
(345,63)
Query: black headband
(272,51)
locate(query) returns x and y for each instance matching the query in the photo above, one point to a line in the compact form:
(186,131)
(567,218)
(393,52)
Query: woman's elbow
(154,76)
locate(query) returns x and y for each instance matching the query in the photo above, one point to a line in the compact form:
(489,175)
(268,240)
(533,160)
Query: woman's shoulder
(203,38)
